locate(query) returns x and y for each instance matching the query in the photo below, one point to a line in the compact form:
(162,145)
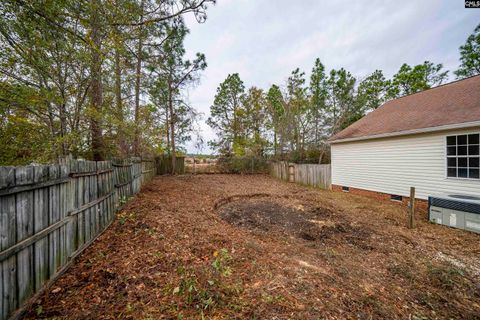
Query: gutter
(463,125)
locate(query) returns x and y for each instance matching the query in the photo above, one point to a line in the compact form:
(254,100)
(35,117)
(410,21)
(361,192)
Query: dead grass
(251,247)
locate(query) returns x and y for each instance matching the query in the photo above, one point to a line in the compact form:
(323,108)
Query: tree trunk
(167,128)
(118,100)
(322,152)
(63,128)
(172,126)
(297,136)
(275,142)
(96,84)
(137,86)
(235,124)
(302,145)
(281,139)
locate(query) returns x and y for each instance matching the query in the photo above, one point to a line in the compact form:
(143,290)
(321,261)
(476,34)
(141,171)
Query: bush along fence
(243,165)
(51,213)
(315,175)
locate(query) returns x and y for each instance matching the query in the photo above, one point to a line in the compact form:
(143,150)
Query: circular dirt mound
(277,215)
(262,214)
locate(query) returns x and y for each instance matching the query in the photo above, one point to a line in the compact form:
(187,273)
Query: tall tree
(138,76)
(276,109)
(254,121)
(85,63)
(43,47)
(372,91)
(470,56)
(96,90)
(340,99)
(176,73)
(297,105)
(410,80)
(318,96)
(226,112)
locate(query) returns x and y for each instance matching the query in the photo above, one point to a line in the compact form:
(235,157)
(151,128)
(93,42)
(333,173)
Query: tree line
(294,121)
(95,78)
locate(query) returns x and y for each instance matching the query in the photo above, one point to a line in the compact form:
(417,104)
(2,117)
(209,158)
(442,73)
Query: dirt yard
(252,247)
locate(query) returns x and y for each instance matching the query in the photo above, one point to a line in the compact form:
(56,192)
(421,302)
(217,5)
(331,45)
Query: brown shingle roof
(452,103)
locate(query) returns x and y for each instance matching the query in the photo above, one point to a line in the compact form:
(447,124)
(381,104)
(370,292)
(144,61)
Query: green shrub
(243,165)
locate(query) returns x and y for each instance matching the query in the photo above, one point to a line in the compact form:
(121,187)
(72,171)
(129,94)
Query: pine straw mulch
(252,247)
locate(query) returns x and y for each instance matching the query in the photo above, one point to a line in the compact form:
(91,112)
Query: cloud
(224,42)
(265,40)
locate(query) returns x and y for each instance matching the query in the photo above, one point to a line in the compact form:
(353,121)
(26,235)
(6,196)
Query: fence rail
(51,213)
(316,175)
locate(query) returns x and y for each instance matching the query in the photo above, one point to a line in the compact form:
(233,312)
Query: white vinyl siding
(393,165)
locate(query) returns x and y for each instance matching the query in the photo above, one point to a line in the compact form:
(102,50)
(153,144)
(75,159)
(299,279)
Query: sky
(264,40)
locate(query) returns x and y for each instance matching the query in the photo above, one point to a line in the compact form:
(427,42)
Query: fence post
(291,172)
(411,209)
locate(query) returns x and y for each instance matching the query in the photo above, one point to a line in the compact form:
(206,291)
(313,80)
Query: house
(428,140)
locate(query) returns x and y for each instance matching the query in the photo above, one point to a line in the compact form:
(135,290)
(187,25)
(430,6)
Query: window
(345,189)
(463,156)
(395,197)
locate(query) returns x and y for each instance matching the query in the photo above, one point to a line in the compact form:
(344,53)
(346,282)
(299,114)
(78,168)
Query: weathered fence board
(24,217)
(316,175)
(7,239)
(50,213)
(148,170)
(164,164)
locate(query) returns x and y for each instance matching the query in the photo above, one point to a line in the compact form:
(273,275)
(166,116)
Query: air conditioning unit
(455,210)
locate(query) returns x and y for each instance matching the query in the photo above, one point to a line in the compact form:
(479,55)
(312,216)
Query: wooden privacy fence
(51,213)
(164,164)
(316,175)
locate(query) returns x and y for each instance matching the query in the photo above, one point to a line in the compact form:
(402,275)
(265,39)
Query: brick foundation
(419,203)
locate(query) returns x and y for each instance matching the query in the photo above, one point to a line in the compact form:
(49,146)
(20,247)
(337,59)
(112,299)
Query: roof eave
(454,126)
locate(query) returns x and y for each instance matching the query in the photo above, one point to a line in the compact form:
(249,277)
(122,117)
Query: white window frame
(462,156)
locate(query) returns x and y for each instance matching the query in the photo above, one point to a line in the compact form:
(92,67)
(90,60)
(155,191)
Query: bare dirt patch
(315,223)
(252,247)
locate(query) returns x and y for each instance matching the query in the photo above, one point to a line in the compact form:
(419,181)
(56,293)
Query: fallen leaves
(299,253)
(56,290)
